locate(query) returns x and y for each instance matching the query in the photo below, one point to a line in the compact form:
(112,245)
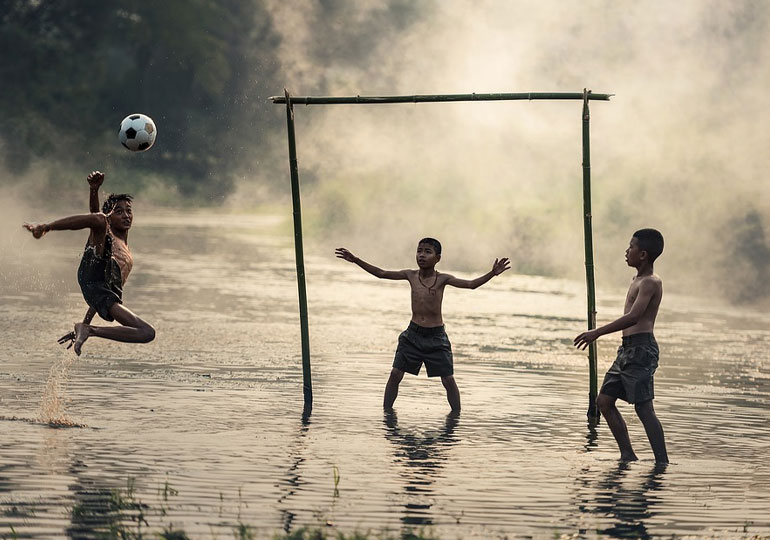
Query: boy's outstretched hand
(500,266)
(37,229)
(344,254)
(95,179)
(585,339)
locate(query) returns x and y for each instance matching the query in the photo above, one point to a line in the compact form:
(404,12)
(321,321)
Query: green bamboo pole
(434,98)
(593,414)
(307,387)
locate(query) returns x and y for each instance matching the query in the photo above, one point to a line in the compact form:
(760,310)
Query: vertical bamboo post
(307,387)
(592,414)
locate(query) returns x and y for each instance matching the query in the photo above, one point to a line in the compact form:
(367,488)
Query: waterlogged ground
(202,429)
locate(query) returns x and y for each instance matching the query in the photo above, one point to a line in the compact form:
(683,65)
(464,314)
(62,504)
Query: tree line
(72,69)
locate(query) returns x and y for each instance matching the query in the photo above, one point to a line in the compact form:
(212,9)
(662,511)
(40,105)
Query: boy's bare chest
(633,292)
(122,255)
(426,294)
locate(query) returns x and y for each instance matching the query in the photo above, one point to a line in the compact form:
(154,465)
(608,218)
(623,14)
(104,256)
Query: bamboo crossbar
(437,98)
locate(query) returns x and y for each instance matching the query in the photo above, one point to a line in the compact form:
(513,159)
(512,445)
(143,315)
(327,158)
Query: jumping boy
(630,377)
(104,268)
(425,340)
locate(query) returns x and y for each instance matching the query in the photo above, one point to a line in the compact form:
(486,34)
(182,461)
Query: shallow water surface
(202,429)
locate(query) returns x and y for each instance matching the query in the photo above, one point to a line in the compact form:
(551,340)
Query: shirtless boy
(104,268)
(630,377)
(425,340)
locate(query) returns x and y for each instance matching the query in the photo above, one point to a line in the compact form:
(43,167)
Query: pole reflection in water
(293,477)
(422,457)
(628,504)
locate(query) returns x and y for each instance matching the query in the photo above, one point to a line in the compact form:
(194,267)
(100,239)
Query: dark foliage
(72,69)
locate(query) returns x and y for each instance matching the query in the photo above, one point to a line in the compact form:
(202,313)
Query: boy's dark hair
(433,242)
(651,241)
(114,199)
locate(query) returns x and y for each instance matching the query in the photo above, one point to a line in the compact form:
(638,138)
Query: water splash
(53,402)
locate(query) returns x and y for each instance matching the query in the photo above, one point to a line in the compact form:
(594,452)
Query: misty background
(682,146)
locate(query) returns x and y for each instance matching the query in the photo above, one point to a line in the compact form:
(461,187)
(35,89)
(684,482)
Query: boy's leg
(617,425)
(452,392)
(391,389)
(646,413)
(133,329)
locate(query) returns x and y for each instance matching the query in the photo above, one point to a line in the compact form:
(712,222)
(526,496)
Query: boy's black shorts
(418,345)
(630,376)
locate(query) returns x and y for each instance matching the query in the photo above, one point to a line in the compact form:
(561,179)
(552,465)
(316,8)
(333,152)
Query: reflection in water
(423,456)
(293,476)
(630,507)
(591,436)
(99,511)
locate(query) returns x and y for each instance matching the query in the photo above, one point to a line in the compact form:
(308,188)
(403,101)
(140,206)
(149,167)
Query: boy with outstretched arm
(425,340)
(95,180)
(630,377)
(104,268)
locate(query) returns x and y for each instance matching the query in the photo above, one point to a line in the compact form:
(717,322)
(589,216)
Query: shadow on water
(627,501)
(422,457)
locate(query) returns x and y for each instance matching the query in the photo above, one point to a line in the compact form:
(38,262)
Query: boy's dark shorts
(418,344)
(101,297)
(630,376)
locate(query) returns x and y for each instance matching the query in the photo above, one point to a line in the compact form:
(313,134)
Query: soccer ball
(137,132)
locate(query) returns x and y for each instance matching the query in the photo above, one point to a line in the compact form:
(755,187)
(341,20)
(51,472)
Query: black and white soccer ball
(137,132)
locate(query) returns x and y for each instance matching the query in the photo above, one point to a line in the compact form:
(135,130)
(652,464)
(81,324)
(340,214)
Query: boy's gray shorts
(418,345)
(630,376)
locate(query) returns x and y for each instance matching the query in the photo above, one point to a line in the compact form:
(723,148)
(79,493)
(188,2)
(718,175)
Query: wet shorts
(100,297)
(418,345)
(630,376)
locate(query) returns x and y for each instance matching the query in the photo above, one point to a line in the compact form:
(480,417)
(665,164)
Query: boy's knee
(448,380)
(396,374)
(605,403)
(644,408)
(147,333)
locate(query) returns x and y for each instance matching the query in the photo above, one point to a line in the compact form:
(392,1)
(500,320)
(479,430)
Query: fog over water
(681,147)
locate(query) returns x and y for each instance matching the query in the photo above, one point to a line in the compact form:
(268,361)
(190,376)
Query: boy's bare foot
(82,332)
(624,458)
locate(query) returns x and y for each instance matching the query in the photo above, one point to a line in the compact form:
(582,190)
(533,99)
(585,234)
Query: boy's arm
(500,266)
(647,290)
(89,315)
(95,180)
(95,222)
(344,254)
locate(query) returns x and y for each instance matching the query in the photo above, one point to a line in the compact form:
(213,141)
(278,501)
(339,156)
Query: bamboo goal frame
(585,96)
